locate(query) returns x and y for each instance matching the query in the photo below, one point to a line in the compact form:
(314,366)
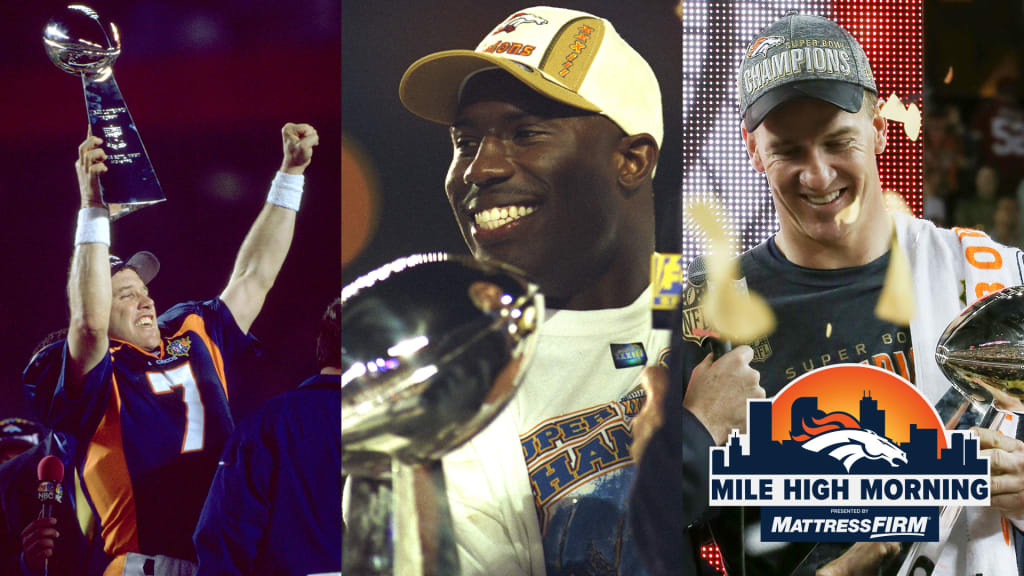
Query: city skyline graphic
(880,441)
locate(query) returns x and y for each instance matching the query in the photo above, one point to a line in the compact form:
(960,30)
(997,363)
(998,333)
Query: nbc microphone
(50,473)
(696,276)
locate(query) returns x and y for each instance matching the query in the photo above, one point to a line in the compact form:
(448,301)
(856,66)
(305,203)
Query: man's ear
(881,128)
(639,156)
(752,152)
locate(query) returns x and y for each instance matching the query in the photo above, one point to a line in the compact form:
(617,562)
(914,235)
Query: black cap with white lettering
(802,55)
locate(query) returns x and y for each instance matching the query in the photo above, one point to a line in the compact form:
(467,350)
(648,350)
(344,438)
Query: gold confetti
(895,203)
(896,303)
(719,258)
(828,330)
(949,76)
(910,116)
(739,315)
(734,312)
(850,213)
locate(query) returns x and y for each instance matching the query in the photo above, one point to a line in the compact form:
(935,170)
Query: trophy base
(121,210)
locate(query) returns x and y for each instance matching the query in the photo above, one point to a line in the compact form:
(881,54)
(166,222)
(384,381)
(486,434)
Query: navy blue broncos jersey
(151,426)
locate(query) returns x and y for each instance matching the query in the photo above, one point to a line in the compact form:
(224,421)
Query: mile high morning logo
(848,453)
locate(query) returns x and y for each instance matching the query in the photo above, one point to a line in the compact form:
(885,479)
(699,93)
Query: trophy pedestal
(424,537)
(400,525)
(368,541)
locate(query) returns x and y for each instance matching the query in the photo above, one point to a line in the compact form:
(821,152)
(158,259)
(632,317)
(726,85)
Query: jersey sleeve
(40,378)
(79,415)
(220,326)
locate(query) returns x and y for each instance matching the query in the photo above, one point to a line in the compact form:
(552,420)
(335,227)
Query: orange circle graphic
(848,387)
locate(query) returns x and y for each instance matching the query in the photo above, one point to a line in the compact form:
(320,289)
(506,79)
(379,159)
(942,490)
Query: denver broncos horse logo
(762,44)
(841,436)
(517,19)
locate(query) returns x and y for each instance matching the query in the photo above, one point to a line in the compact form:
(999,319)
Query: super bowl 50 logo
(848,453)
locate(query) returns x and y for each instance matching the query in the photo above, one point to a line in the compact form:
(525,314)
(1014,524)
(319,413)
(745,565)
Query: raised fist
(298,141)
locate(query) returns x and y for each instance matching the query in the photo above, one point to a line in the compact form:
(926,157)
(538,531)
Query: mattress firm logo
(848,453)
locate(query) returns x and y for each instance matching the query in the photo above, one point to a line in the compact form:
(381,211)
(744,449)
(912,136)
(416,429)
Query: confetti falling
(895,203)
(850,213)
(828,330)
(909,116)
(896,303)
(734,312)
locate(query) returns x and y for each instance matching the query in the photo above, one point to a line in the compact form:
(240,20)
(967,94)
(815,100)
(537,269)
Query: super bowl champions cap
(569,56)
(802,55)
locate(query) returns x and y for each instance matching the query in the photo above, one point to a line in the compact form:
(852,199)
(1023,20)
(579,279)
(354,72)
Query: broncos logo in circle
(841,436)
(517,19)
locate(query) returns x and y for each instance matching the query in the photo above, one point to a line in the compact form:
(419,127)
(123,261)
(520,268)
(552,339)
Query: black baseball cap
(144,263)
(802,55)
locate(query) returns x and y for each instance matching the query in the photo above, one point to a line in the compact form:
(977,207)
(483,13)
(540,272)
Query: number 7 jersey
(151,428)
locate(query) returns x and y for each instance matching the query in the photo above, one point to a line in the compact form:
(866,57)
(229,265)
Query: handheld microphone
(50,473)
(696,276)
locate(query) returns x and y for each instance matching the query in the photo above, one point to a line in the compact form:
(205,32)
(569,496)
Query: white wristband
(93,226)
(286,190)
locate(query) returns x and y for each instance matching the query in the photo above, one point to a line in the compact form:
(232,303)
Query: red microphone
(50,473)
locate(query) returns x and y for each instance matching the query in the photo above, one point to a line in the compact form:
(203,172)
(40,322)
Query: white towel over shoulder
(950,269)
